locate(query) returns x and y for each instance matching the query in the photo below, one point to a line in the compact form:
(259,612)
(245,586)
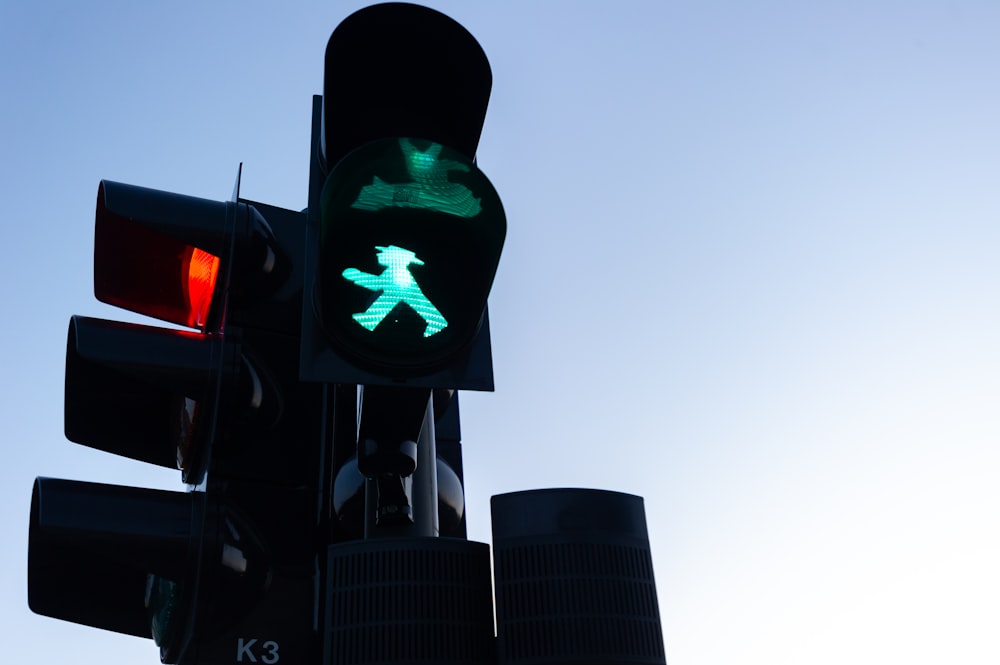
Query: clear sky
(751,274)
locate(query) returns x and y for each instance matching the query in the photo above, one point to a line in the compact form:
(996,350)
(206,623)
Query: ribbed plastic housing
(408,601)
(574,579)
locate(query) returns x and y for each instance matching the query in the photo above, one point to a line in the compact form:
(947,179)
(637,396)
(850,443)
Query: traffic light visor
(443,95)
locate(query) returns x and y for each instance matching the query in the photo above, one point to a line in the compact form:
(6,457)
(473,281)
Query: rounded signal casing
(410,239)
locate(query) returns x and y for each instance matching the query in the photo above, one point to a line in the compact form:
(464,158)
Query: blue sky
(750,275)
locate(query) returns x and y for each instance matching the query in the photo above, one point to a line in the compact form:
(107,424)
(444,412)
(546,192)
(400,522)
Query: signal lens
(409,241)
(202,270)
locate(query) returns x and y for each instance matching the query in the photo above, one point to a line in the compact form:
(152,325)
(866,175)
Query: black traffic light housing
(156,390)
(398,69)
(129,559)
(404,86)
(196,570)
(98,576)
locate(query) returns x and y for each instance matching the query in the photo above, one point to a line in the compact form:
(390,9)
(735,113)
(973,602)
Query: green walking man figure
(397,285)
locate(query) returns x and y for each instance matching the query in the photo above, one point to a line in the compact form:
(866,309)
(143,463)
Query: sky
(750,275)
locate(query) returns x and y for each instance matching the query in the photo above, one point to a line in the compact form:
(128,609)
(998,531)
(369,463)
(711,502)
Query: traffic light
(403,237)
(409,243)
(155,394)
(404,234)
(404,230)
(205,571)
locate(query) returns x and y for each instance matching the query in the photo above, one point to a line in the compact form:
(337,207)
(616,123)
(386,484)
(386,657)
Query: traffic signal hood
(396,70)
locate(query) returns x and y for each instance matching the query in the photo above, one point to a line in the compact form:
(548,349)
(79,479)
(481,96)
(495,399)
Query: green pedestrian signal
(395,285)
(410,237)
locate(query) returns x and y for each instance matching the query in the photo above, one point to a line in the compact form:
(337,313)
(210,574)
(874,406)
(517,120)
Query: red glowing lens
(202,272)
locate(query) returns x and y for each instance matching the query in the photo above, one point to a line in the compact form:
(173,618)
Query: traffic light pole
(393,495)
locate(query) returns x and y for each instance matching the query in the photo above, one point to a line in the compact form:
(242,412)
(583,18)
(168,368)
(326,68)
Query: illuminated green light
(430,187)
(410,236)
(397,285)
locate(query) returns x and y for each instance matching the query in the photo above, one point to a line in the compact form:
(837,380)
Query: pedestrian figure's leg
(435,322)
(377,311)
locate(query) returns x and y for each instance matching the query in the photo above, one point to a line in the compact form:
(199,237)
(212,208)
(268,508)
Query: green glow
(430,188)
(162,597)
(397,285)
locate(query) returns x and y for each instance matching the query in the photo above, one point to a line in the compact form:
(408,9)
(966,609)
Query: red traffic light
(158,253)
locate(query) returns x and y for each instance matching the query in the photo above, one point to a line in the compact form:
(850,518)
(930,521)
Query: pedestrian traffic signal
(404,230)
(410,238)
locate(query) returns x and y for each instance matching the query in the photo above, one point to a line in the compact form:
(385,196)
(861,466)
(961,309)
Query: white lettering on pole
(243,648)
(245,651)
(272,652)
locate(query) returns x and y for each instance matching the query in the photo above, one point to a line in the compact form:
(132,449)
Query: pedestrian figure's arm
(364,279)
